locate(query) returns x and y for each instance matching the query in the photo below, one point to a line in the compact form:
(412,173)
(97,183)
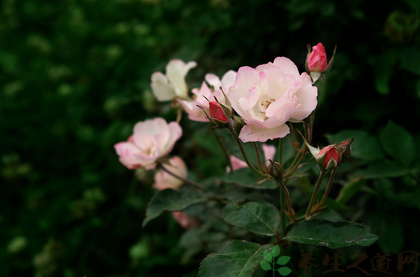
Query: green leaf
(275,251)
(398,143)
(268,257)
(174,200)
(259,218)
(265,266)
(332,234)
(284,271)
(236,259)
(247,178)
(385,168)
(283,260)
(364,146)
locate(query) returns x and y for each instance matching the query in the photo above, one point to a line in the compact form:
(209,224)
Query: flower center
(263,104)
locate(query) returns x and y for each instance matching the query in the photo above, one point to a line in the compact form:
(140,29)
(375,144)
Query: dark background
(75,78)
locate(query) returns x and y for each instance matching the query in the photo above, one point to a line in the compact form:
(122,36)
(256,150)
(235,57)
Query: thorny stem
(289,205)
(238,142)
(294,165)
(280,150)
(292,130)
(314,193)
(258,157)
(223,147)
(159,165)
(328,188)
(302,150)
(282,206)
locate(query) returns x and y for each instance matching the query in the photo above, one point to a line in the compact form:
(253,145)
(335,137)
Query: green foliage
(74,79)
(332,234)
(260,218)
(246,177)
(238,258)
(173,200)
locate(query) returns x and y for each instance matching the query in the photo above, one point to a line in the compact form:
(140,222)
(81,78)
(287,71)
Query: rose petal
(253,133)
(162,90)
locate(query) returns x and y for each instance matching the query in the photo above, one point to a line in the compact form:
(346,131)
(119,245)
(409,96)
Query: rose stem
(292,130)
(258,157)
(329,187)
(238,142)
(223,148)
(180,178)
(314,193)
(280,150)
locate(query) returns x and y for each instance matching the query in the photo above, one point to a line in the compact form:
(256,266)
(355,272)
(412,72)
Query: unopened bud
(217,113)
(275,170)
(328,158)
(345,149)
(316,61)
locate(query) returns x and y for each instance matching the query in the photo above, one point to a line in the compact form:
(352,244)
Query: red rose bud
(328,158)
(316,61)
(345,149)
(217,112)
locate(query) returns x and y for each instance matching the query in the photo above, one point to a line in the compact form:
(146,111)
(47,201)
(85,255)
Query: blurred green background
(75,78)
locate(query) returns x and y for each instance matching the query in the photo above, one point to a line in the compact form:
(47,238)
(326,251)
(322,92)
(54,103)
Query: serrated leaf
(236,259)
(268,257)
(364,146)
(174,200)
(398,143)
(283,260)
(247,178)
(259,218)
(332,234)
(385,168)
(265,266)
(284,271)
(275,251)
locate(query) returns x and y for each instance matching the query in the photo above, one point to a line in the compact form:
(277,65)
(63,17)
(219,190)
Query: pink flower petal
(253,133)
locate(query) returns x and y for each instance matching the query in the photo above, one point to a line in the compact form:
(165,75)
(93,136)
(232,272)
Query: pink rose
(270,95)
(151,139)
(317,59)
(184,220)
(164,180)
(166,87)
(190,106)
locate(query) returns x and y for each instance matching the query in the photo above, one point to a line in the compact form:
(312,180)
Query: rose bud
(316,61)
(327,158)
(217,112)
(275,170)
(345,149)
